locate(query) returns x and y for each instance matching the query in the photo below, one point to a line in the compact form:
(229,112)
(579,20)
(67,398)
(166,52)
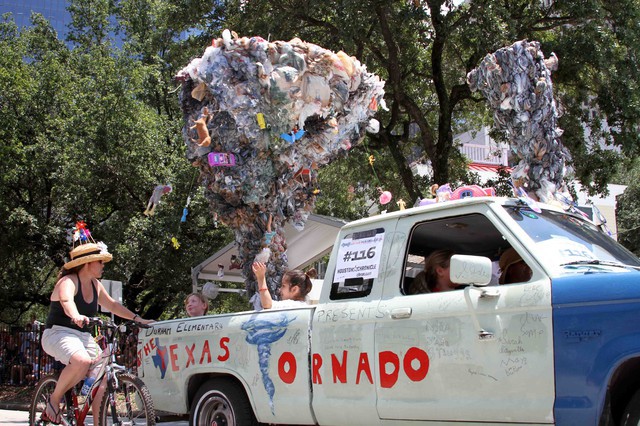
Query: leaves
(80,140)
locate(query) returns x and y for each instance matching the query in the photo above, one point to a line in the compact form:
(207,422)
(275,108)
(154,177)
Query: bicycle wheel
(44,389)
(132,402)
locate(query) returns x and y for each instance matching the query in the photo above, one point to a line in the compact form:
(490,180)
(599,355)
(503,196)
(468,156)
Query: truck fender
(617,369)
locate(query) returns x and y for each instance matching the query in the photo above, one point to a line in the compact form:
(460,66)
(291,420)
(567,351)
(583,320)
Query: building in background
(487,155)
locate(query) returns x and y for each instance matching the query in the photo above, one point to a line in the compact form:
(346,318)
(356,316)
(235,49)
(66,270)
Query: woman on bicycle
(74,299)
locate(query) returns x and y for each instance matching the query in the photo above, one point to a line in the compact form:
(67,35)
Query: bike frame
(107,372)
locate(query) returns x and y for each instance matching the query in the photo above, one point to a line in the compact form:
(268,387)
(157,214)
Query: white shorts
(62,342)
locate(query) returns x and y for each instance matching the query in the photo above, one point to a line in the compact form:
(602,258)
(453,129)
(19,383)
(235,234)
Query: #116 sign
(359,255)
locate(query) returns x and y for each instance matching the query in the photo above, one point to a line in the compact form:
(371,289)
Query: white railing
(486,154)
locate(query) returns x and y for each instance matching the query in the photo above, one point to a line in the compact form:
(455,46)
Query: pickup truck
(562,348)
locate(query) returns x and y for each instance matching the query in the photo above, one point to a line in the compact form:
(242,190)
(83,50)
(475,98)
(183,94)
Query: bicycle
(126,400)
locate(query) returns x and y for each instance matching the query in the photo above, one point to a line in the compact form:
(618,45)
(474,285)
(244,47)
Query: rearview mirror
(474,270)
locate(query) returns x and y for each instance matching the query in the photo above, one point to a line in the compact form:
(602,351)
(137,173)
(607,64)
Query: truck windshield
(568,241)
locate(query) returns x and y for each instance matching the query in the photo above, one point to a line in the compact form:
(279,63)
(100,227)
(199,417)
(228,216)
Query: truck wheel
(631,414)
(221,402)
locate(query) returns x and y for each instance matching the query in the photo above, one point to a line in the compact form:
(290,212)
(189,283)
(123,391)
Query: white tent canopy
(303,248)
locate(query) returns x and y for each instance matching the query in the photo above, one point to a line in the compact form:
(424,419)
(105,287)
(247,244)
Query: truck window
(471,234)
(351,288)
(357,264)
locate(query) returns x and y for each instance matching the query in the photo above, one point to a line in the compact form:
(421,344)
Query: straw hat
(85,253)
(508,258)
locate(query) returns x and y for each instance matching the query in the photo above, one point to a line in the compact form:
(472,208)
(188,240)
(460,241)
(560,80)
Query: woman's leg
(14,374)
(75,371)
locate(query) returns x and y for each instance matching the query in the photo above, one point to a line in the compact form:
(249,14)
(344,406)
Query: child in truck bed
(295,286)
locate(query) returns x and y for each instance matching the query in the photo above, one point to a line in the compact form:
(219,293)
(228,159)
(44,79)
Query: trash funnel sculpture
(260,119)
(516,80)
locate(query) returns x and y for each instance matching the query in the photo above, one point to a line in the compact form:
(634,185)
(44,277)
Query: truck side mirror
(475,270)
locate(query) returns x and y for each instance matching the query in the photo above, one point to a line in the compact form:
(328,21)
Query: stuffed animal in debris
(385,196)
(466,191)
(204,139)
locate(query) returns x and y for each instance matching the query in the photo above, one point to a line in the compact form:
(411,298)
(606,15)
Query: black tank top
(57,316)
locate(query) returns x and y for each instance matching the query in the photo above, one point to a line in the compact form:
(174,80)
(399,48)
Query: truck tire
(631,415)
(221,402)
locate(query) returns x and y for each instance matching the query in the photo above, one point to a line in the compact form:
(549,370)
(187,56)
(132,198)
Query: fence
(486,154)
(23,362)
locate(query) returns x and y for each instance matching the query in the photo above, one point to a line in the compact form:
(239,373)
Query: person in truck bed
(295,287)
(196,305)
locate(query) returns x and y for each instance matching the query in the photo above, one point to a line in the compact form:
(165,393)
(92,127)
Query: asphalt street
(21,418)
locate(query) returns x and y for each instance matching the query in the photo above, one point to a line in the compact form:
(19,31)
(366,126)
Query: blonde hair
(437,258)
(202,298)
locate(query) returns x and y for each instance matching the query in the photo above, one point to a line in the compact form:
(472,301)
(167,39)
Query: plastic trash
(516,80)
(274,113)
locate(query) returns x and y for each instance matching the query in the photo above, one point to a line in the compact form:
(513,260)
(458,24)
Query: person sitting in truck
(513,268)
(437,272)
(419,284)
(295,287)
(196,304)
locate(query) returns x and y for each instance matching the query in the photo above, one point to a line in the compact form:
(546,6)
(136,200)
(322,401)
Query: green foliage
(82,141)
(628,217)
(628,208)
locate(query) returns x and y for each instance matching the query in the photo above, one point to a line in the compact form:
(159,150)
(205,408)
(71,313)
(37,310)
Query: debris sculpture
(274,112)
(516,80)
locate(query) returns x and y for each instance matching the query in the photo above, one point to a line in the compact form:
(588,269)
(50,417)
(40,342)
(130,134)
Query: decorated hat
(85,249)
(508,258)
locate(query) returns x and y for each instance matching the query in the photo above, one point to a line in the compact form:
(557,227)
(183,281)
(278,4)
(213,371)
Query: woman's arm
(260,270)
(118,309)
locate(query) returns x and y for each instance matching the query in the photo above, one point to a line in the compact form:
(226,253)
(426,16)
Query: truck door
(342,358)
(466,355)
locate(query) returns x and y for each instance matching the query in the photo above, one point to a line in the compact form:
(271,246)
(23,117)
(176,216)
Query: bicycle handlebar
(110,324)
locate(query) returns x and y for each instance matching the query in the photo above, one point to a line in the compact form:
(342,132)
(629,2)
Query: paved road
(21,418)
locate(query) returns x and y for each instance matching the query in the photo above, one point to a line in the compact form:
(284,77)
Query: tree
(628,208)
(88,128)
(32,68)
(628,217)
(81,140)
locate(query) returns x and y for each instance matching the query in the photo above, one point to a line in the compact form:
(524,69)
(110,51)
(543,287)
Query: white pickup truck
(562,348)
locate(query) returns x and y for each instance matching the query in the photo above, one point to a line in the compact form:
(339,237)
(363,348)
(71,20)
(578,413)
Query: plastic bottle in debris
(92,374)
